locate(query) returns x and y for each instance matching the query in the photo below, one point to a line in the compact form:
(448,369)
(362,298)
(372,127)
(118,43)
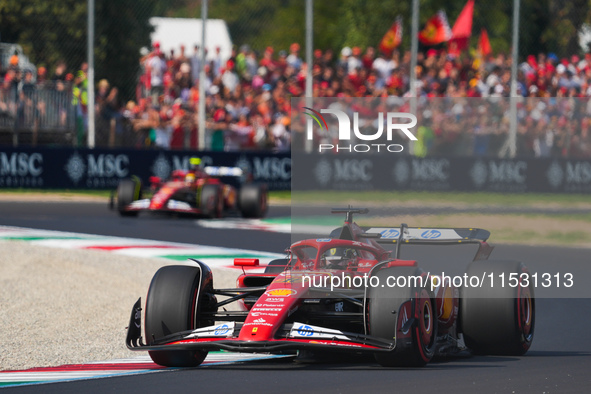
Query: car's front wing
(170,206)
(294,336)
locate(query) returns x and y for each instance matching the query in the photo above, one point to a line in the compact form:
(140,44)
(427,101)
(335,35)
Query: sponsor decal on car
(266,305)
(431,234)
(258,324)
(390,233)
(281,292)
(145,203)
(305,331)
(272,299)
(221,330)
(255,314)
(179,205)
(256,309)
(301,330)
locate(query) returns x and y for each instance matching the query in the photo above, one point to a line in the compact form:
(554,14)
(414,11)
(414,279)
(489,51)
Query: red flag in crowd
(436,30)
(483,43)
(392,38)
(462,30)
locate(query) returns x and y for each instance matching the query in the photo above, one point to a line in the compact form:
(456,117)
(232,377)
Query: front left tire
(175,300)
(128,191)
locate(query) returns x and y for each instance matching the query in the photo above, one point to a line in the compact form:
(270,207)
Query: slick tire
(252,201)
(128,191)
(211,201)
(392,312)
(171,307)
(498,319)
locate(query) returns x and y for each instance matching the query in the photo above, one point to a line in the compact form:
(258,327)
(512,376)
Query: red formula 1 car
(197,191)
(343,293)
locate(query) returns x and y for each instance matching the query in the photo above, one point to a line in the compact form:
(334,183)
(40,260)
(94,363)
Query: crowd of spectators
(32,99)
(248,98)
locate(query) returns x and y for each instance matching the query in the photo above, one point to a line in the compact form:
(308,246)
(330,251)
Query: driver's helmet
(195,163)
(190,177)
(338,258)
(194,169)
(349,254)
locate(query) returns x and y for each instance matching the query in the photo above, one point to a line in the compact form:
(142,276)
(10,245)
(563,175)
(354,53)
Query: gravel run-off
(62,306)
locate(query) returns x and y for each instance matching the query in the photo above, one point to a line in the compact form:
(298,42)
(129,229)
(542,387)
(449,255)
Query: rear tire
(211,201)
(128,191)
(172,306)
(498,320)
(252,201)
(389,309)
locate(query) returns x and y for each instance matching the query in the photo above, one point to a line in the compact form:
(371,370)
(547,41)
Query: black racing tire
(498,320)
(253,200)
(276,266)
(128,191)
(211,201)
(171,307)
(386,317)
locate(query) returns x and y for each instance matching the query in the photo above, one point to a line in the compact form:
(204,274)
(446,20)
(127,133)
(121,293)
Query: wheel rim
(525,311)
(426,321)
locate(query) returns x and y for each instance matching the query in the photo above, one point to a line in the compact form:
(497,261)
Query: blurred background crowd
(248,98)
(147,91)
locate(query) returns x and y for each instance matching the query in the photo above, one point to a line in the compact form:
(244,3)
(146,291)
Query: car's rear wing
(404,235)
(427,235)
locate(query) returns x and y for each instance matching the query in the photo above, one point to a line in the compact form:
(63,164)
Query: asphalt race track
(96,218)
(559,360)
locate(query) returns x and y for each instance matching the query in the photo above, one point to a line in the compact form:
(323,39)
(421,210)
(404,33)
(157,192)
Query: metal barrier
(37,109)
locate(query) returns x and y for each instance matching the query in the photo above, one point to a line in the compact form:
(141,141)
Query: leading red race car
(298,305)
(199,191)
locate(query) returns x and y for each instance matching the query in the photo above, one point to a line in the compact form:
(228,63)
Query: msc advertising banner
(67,168)
(378,172)
(434,144)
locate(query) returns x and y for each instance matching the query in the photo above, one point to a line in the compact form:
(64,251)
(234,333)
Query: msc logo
(392,123)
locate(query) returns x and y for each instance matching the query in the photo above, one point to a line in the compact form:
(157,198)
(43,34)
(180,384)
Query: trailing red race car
(199,191)
(297,304)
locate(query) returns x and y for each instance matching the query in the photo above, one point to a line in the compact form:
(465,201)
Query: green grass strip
(5,384)
(38,238)
(478,198)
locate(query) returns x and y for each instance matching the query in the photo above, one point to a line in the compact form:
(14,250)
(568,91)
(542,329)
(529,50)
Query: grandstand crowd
(248,98)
